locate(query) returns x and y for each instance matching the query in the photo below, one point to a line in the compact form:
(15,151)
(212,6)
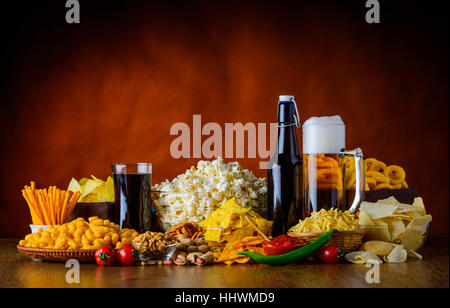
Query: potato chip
(93,190)
(109,190)
(423,220)
(418,203)
(379,248)
(74,186)
(390,200)
(378,210)
(397,255)
(365,220)
(414,255)
(362,257)
(379,232)
(396,227)
(412,239)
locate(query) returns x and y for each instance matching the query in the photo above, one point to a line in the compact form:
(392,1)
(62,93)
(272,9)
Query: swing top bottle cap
(285,98)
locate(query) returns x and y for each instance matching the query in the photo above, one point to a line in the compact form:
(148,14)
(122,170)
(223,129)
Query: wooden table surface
(17,270)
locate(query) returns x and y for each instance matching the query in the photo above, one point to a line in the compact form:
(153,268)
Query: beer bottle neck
(287,140)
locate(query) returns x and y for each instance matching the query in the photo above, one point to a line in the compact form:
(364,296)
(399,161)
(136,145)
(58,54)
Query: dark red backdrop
(78,97)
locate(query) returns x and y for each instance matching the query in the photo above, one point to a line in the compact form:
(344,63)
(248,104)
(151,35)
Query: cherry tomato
(104,256)
(127,255)
(331,254)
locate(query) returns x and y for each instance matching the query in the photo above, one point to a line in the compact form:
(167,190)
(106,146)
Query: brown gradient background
(77,97)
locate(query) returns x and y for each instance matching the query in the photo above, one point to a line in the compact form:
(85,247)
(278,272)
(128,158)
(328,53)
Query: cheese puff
(107,240)
(89,235)
(97,222)
(126,241)
(80,223)
(119,245)
(114,238)
(98,243)
(61,243)
(72,244)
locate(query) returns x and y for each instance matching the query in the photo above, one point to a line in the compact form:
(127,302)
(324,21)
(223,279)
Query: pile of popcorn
(194,195)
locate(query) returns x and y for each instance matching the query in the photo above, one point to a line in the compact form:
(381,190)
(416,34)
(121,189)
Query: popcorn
(194,195)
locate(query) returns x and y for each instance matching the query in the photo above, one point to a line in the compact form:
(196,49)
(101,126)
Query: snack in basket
(49,207)
(229,256)
(153,245)
(326,220)
(79,234)
(188,229)
(93,190)
(194,195)
(377,175)
(229,224)
(391,221)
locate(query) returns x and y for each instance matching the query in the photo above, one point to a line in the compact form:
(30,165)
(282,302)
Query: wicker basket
(347,240)
(60,255)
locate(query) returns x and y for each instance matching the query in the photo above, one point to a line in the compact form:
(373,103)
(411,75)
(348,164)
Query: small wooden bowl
(60,255)
(347,240)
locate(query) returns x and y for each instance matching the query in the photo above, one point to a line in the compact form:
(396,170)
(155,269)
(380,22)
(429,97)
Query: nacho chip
(213,234)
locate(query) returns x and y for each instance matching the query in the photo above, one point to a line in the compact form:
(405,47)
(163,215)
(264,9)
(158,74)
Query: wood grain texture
(17,270)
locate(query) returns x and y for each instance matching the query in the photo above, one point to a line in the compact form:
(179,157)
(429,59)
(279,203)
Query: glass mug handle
(359,176)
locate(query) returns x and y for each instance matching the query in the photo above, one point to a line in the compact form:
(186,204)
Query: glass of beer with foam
(324,167)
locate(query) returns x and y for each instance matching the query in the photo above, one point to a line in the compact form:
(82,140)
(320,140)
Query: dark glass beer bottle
(284,173)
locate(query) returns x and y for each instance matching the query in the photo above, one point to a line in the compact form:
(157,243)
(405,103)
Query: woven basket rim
(47,250)
(359,231)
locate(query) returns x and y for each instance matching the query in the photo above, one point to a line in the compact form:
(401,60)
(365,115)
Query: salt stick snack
(49,207)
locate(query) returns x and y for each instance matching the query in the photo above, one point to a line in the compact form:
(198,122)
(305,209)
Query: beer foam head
(323,135)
